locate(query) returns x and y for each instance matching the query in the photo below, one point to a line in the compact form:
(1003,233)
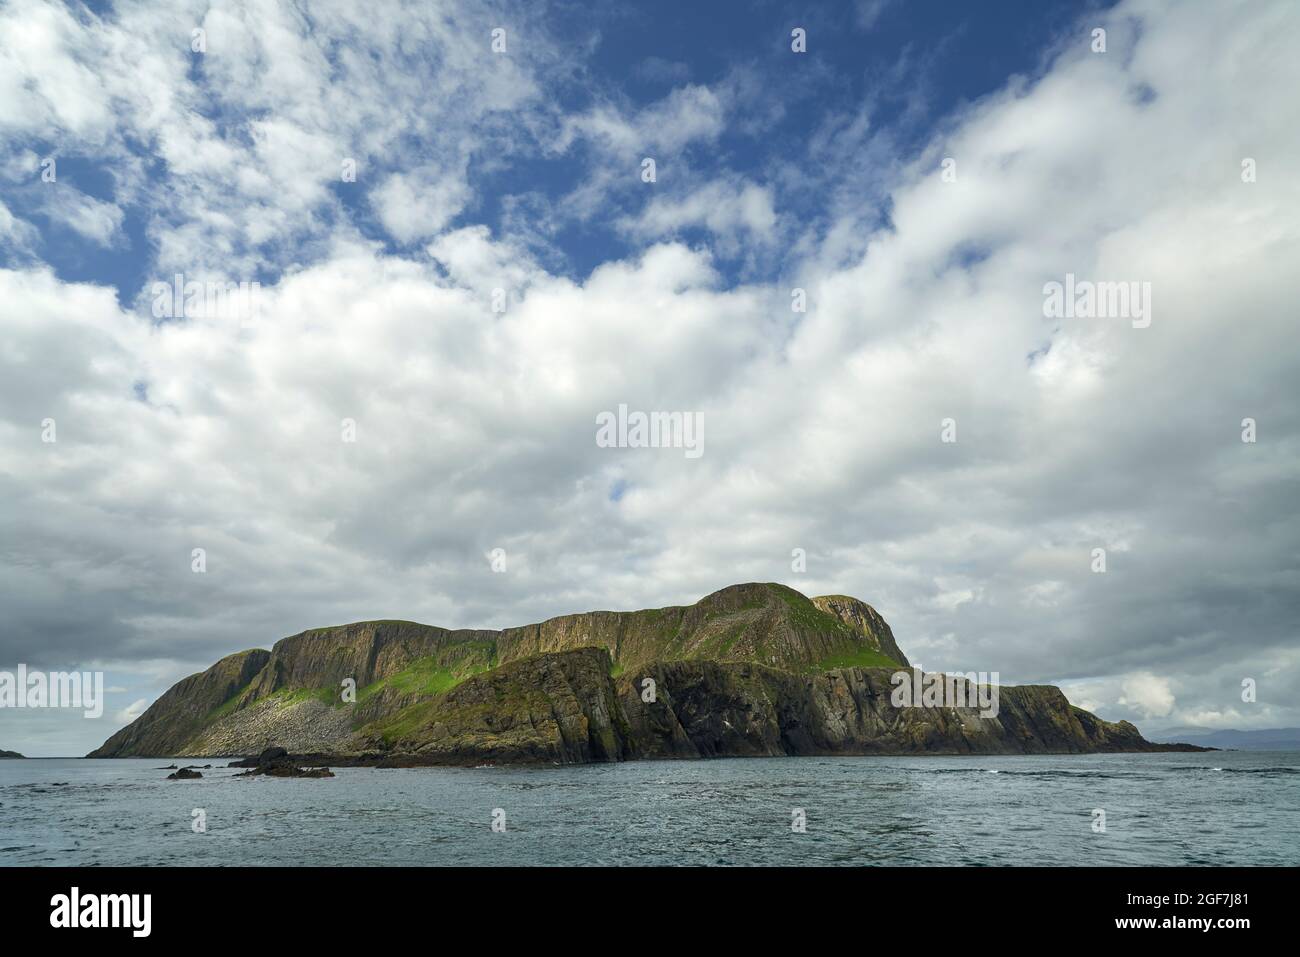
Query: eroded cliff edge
(751,670)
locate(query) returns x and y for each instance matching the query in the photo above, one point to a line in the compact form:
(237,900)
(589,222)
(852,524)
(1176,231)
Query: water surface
(1212,808)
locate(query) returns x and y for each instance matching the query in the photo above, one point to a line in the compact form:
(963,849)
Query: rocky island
(10,754)
(750,670)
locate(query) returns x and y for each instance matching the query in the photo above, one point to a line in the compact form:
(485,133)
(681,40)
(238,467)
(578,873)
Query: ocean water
(1212,808)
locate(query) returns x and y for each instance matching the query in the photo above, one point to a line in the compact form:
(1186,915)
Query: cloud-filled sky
(460,265)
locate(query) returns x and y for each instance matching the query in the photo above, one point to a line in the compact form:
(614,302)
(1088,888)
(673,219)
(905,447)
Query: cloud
(1229,718)
(734,212)
(687,114)
(621,138)
(131,711)
(17,234)
(97,221)
(246,139)
(1149,694)
(416,206)
(475,427)
(867,12)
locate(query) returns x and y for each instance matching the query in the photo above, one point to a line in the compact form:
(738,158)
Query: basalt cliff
(751,670)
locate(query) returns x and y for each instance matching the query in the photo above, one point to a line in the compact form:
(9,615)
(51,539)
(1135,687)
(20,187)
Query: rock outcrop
(276,763)
(753,669)
(865,620)
(10,754)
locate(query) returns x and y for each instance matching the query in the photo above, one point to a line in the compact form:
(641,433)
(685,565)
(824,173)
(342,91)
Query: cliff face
(749,670)
(565,708)
(184,709)
(707,709)
(560,707)
(367,652)
(865,620)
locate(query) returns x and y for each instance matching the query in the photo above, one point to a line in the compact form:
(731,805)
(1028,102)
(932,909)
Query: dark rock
(711,709)
(268,756)
(566,709)
(184,774)
(289,771)
(558,708)
(278,763)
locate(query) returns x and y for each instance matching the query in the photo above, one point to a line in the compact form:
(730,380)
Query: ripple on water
(1161,809)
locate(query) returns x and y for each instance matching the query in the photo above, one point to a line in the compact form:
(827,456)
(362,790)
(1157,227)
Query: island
(751,670)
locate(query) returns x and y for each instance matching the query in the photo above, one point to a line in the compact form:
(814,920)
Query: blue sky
(907,65)
(517,176)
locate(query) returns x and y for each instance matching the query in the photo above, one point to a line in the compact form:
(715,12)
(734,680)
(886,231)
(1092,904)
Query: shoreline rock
(278,763)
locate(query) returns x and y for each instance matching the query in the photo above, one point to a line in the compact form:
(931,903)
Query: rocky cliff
(755,669)
(185,709)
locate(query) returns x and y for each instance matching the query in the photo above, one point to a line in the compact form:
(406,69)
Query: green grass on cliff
(286,696)
(402,723)
(804,612)
(299,695)
(429,677)
(858,658)
(227,706)
(719,647)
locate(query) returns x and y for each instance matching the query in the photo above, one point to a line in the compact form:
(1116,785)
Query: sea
(1212,808)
